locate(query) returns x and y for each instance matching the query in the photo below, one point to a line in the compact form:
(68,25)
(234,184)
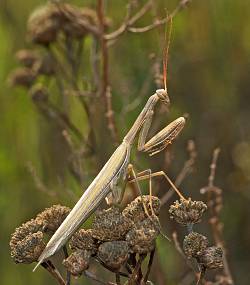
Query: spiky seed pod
(27,57)
(187,211)
(39,93)
(194,244)
(44,24)
(113,253)
(22,76)
(135,210)
(110,225)
(141,238)
(53,217)
(212,257)
(83,240)
(28,249)
(77,262)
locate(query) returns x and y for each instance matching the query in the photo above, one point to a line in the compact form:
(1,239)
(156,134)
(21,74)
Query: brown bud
(39,93)
(77,262)
(113,254)
(135,210)
(83,240)
(142,236)
(44,24)
(27,57)
(110,225)
(194,244)
(187,211)
(52,217)
(212,258)
(22,76)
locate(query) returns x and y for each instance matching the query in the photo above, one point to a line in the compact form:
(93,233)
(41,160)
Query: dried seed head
(44,24)
(113,254)
(194,244)
(29,249)
(77,262)
(142,236)
(25,229)
(22,76)
(83,240)
(110,225)
(53,217)
(135,210)
(77,20)
(187,211)
(39,93)
(27,57)
(212,257)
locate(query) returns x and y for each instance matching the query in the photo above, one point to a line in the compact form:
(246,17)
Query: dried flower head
(194,244)
(27,57)
(26,242)
(142,236)
(83,240)
(53,217)
(113,254)
(29,249)
(39,93)
(77,262)
(187,211)
(135,210)
(110,225)
(44,24)
(22,76)
(77,22)
(212,257)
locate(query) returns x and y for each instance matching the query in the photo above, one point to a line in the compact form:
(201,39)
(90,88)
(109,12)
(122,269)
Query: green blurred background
(209,75)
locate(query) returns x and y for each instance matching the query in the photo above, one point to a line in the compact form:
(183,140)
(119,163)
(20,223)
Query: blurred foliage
(209,69)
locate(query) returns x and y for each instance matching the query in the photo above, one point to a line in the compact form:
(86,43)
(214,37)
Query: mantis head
(163,96)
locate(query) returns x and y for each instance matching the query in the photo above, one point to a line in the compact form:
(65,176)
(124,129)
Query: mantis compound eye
(163,96)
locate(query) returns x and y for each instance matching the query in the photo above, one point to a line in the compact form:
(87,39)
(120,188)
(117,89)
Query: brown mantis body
(115,168)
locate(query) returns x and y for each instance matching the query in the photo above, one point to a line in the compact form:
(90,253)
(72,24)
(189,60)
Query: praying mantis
(116,167)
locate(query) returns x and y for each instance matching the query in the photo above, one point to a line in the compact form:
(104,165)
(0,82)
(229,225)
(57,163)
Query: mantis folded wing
(114,168)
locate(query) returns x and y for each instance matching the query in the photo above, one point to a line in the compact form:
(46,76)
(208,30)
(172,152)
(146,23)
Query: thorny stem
(213,167)
(53,271)
(215,208)
(105,87)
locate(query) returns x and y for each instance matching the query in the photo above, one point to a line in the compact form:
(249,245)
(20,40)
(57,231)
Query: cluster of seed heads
(115,235)
(27,242)
(195,245)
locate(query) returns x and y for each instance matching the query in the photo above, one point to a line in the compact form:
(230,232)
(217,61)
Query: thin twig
(105,89)
(186,170)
